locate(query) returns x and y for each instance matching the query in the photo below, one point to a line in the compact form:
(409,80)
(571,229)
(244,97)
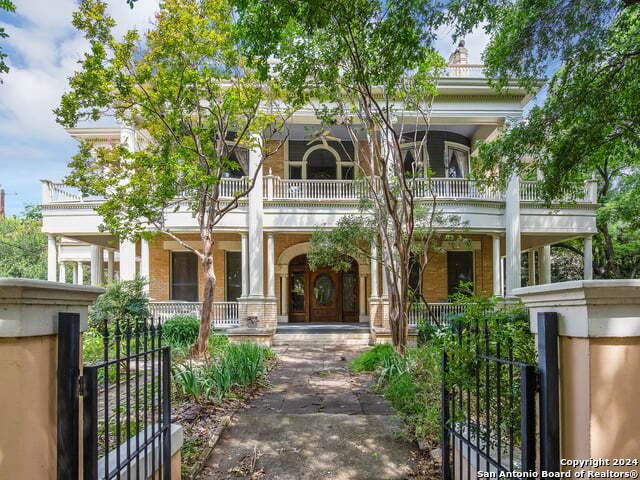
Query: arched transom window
(321,162)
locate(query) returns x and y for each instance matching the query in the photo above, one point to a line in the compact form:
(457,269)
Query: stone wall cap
(46,285)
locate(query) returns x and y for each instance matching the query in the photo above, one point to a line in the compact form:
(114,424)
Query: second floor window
(456,160)
(326,161)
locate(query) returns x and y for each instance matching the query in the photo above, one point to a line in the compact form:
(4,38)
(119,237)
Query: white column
(284,294)
(363,295)
(97,259)
(385,283)
(374,269)
(74,274)
(271,266)
(545,264)
(52,258)
(62,275)
(79,273)
(532,267)
(588,258)
(497,284)
(256,267)
(127,260)
(244,254)
(512,229)
(110,262)
(144,261)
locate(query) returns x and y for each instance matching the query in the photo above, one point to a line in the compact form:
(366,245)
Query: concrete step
(320,338)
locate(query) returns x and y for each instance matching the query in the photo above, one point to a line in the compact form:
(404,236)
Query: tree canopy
(23,246)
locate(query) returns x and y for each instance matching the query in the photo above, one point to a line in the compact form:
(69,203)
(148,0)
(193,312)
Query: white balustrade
(435,313)
(455,188)
(285,189)
(223,314)
(531,191)
(231,187)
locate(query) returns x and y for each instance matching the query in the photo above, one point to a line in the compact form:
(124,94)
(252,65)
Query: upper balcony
(310,192)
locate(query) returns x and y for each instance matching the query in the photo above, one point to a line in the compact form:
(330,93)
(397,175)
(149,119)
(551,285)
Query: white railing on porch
(531,191)
(455,188)
(230,187)
(277,188)
(223,314)
(439,312)
(53,192)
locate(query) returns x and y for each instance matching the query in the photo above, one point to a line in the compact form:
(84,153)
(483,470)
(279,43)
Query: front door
(325,305)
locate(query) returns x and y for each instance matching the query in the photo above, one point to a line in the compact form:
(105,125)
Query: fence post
(549,396)
(444,407)
(166,413)
(68,402)
(528,417)
(90,423)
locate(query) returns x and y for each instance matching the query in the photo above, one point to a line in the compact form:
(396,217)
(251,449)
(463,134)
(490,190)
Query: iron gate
(491,421)
(126,414)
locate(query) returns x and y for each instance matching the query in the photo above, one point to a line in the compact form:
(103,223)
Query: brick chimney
(2,211)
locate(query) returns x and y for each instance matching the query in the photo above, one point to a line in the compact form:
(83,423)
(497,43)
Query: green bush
(181,331)
(371,359)
(124,301)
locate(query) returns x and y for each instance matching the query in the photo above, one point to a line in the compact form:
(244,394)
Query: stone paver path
(318,421)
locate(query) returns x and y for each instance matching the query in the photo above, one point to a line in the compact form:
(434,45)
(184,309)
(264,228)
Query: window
(184,276)
(297,292)
(325,161)
(349,292)
(415,283)
(459,270)
(410,153)
(238,158)
(456,160)
(233,276)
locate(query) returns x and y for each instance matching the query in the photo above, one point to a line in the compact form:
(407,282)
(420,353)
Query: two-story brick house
(261,265)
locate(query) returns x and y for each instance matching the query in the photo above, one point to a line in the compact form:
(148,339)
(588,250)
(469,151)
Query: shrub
(124,301)
(181,331)
(230,365)
(371,359)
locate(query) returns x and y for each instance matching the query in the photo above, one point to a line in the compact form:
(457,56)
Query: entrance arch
(323,295)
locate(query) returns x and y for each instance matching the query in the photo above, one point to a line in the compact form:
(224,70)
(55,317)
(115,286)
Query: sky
(43,49)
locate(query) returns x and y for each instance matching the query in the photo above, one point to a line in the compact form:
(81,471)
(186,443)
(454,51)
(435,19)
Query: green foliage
(123,301)
(230,366)
(23,246)
(8,6)
(372,359)
(181,331)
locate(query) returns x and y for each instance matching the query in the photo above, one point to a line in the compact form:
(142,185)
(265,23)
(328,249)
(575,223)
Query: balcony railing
(436,313)
(278,189)
(470,70)
(223,314)
(531,191)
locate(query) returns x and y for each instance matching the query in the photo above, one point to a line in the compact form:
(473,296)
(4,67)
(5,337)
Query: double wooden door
(322,296)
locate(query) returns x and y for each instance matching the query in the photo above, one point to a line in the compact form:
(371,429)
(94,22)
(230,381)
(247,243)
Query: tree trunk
(201,346)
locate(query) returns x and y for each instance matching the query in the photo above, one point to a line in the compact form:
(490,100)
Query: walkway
(317,422)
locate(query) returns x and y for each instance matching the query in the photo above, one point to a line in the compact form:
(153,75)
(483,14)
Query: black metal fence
(126,420)
(489,409)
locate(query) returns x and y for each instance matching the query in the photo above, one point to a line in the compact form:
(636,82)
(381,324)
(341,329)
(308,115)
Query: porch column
(110,262)
(497,289)
(284,294)
(363,294)
(97,259)
(244,255)
(52,258)
(374,269)
(144,262)
(74,274)
(62,273)
(127,260)
(588,258)
(385,284)
(256,280)
(271,266)
(79,273)
(532,267)
(545,264)
(512,229)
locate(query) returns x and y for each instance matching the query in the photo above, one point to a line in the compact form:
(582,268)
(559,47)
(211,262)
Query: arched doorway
(322,296)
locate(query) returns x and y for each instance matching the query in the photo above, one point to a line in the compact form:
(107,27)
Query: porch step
(354,334)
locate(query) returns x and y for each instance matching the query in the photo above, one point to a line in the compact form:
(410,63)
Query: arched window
(322,164)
